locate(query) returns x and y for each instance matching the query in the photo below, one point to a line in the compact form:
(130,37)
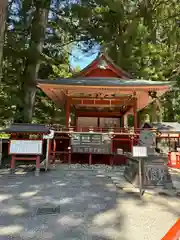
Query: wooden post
(131,142)
(98,122)
(54,151)
(67,112)
(122,121)
(12,164)
(46,162)
(135,113)
(37,166)
(76,122)
(90,158)
(112,153)
(112,159)
(49,150)
(69,157)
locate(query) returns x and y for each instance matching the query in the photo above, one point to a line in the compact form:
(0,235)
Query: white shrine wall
(104,122)
(110,122)
(87,122)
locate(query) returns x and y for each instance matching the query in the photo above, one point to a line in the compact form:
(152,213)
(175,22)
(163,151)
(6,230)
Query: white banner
(139,151)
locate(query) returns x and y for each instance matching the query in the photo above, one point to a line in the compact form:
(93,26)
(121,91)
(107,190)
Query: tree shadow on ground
(87,207)
(91,207)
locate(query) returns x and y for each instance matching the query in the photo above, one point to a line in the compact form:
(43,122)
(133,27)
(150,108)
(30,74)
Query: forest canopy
(141,36)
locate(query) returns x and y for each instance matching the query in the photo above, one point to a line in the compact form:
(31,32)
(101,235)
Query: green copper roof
(104,82)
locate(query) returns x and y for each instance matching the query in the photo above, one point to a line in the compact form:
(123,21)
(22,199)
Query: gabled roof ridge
(88,66)
(108,59)
(115,65)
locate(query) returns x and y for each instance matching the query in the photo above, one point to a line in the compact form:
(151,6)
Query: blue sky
(81,59)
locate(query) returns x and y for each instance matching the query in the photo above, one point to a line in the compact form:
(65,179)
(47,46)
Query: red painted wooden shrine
(100,97)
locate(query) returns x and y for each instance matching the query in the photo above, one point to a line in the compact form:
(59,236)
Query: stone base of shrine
(155,172)
(96,159)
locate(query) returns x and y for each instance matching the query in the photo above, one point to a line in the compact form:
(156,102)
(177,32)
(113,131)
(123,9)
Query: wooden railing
(59,128)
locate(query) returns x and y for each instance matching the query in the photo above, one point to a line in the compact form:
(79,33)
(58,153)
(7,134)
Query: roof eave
(125,84)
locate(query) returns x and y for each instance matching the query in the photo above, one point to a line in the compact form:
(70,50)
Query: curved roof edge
(104,82)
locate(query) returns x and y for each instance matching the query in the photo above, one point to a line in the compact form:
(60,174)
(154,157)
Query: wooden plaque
(91,143)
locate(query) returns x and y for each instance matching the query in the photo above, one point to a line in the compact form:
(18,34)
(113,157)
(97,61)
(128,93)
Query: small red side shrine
(100,97)
(26,143)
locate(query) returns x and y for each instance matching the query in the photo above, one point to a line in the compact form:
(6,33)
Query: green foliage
(54,62)
(140,36)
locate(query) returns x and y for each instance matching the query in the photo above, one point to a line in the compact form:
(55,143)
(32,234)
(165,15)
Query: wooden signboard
(30,147)
(91,143)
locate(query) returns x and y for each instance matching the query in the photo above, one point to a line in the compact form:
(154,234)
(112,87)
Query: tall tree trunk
(147,12)
(30,75)
(3,11)
(169,106)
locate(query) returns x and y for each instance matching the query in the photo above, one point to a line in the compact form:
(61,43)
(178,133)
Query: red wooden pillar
(135,113)
(54,151)
(67,112)
(37,166)
(12,164)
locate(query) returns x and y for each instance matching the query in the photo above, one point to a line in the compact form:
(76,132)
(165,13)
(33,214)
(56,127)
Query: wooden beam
(128,96)
(90,101)
(52,95)
(118,110)
(99,114)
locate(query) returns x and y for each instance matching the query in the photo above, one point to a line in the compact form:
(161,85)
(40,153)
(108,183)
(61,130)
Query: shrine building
(101,96)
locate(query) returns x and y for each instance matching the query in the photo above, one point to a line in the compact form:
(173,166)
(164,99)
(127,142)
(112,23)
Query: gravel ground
(80,205)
